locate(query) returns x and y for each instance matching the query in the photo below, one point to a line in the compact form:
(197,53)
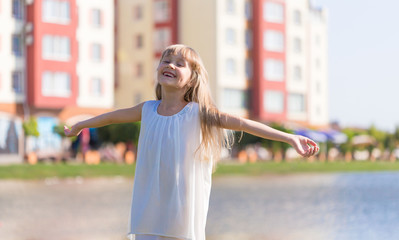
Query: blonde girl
(182,133)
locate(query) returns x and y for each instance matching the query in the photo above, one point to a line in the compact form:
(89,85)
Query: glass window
(139,70)
(96,17)
(96,87)
(230,66)
(273,41)
(230,36)
(230,7)
(296,103)
(138,12)
(162,39)
(96,52)
(56,48)
(139,41)
(17,82)
(248,38)
(297,73)
(273,12)
(17,9)
(56,84)
(273,70)
(137,98)
(248,10)
(56,11)
(297,45)
(297,17)
(17,45)
(234,98)
(161,11)
(248,68)
(273,101)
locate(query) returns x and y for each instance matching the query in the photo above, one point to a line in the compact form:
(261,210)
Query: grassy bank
(41,171)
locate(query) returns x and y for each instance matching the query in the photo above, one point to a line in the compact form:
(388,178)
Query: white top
(172,185)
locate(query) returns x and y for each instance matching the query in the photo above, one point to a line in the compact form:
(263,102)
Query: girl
(181,136)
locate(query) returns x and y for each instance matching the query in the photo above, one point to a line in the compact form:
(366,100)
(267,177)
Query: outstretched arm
(125,115)
(303,145)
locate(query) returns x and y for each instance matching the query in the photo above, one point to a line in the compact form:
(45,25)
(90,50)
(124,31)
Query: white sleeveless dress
(172,185)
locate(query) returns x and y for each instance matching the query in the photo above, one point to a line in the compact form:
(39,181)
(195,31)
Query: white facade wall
(318,102)
(230,56)
(87,68)
(8,61)
(298,49)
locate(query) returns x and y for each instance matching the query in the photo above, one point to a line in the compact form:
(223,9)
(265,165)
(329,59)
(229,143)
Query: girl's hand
(73,132)
(304,146)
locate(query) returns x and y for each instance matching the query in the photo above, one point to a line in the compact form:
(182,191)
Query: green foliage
(59,129)
(274,146)
(125,132)
(30,127)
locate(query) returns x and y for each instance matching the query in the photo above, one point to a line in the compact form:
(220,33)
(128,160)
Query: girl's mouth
(168,74)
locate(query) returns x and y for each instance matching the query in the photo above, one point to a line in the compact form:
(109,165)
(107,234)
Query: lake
(351,206)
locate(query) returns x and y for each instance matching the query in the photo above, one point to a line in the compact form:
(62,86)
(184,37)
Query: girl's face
(174,71)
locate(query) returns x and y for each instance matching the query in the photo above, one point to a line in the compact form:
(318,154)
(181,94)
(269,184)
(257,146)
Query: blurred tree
(30,127)
(124,132)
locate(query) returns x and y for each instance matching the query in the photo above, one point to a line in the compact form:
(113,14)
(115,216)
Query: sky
(363,60)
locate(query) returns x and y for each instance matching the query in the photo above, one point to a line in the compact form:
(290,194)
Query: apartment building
(59,58)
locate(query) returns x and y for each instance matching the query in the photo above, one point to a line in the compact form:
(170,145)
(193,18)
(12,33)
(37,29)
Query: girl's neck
(172,99)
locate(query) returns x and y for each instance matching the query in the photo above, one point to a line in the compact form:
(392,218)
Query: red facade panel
(171,23)
(36,65)
(260,54)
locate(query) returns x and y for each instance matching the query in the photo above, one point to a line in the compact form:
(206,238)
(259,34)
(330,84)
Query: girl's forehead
(177,56)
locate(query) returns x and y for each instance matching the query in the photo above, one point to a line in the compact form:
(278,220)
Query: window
(273,101)
(230,7)
(56,11)
(162,39)
(273,41)
(248,68)
(139,70)
(230,36)
(248,38)
(17,45)
(296,103)
(248,10)
(17,82)
(96,52)
(56,48)
(138,12)
(297,45)
(17,9)
(230,66)
(96,89)
(297,73)
(56,84)
(137,98)
(234,98)
(273,70)
(161,11)
(139,41)
(297,17)
(273,12)
(96,18)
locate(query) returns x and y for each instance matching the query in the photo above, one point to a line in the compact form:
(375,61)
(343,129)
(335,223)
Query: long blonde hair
(214,137)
